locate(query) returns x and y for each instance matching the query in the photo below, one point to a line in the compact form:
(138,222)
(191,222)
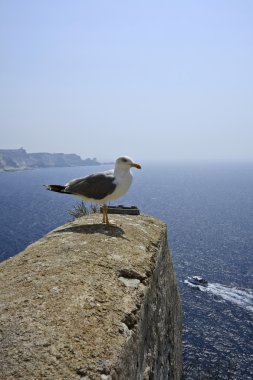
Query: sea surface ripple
(209,212)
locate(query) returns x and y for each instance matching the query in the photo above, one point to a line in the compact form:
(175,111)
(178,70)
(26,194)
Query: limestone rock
(89,301)
(19,159)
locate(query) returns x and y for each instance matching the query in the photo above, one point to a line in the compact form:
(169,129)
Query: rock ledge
(92,302)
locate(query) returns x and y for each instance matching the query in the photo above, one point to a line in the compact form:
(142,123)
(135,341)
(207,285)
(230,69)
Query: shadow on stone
(109,230)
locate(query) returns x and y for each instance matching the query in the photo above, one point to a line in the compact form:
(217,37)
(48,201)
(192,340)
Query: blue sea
(209,212)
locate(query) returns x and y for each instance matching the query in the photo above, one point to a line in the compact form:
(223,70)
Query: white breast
(123,183)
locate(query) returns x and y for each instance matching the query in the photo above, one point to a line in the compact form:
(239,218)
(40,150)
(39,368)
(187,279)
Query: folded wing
(96,186)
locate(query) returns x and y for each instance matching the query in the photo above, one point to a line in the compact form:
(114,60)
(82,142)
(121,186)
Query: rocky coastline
(19,159)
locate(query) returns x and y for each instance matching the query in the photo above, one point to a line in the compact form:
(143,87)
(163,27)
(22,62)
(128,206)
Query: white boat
(197,280)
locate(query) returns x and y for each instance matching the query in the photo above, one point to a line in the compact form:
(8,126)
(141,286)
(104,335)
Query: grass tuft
(80,209)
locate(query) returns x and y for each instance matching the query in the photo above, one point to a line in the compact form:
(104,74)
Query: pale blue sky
(157,80)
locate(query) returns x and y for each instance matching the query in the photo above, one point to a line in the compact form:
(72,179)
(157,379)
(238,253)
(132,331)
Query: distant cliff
(92,302)
(19,159)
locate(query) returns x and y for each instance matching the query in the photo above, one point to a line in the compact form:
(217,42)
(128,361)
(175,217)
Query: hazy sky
(164,80)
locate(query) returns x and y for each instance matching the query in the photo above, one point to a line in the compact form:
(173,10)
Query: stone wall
(89,301)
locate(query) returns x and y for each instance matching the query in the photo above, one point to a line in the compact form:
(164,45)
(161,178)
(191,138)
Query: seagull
(101,187)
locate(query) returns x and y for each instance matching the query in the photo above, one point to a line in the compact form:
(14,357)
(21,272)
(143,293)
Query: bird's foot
(111,223)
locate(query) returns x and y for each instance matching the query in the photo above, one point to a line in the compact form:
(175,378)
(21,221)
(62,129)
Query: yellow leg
(104,214)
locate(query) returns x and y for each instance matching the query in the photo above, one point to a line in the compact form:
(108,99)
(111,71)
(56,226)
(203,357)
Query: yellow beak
(137,166)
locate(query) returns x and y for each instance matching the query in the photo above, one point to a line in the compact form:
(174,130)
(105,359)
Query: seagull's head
(126,163)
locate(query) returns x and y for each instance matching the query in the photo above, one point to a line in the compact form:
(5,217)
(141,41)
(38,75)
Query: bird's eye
(124,160)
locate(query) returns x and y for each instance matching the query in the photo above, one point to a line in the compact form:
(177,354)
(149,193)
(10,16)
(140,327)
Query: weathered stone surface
(92,302)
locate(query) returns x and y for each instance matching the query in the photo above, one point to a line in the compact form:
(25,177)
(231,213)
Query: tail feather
(57,188)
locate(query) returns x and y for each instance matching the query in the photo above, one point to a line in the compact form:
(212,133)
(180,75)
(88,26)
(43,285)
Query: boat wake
(240,297)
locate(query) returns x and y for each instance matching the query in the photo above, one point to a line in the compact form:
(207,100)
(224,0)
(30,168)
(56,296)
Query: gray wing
(96,186)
